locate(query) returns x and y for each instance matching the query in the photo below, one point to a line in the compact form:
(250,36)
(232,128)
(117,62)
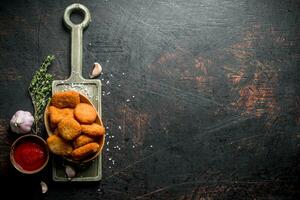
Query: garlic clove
(44,187)
(97,69)
(70,172)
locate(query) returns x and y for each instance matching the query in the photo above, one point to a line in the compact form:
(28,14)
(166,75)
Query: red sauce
(30,156)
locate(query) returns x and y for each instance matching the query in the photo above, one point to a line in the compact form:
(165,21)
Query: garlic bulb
(21,122)
(96,70)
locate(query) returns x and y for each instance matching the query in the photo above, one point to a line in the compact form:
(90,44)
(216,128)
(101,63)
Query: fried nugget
(57,114)
(69,128)
(92,130)
(68,99)
(82,140)
(59,146)
(85,150)
(85,113)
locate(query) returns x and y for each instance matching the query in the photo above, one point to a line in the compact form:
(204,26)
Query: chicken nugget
(85,150)
(85,113)
(68,99)
(92,130)
(82,140)
(59,146)
(57,114)
(69,128)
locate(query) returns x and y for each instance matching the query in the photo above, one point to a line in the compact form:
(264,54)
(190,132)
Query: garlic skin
(96,70)
(21,122)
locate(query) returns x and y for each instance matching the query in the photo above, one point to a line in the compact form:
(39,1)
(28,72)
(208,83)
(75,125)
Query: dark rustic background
(200,98)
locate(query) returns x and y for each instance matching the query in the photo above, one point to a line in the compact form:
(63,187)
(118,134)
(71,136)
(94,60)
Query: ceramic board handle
(76,36)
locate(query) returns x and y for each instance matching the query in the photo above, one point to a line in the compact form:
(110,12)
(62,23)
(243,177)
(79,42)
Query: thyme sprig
(40,90)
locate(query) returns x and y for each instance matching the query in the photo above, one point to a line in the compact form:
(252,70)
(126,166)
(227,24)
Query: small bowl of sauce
(29,154)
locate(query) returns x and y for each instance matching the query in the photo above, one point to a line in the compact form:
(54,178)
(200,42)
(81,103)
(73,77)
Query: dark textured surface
(201,96)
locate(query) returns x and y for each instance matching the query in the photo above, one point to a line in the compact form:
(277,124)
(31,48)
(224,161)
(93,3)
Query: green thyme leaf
(40,90)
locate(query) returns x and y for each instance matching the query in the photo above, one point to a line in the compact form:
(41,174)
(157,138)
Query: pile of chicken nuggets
(76,134)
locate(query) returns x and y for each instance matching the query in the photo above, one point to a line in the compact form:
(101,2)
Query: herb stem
(40,90)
